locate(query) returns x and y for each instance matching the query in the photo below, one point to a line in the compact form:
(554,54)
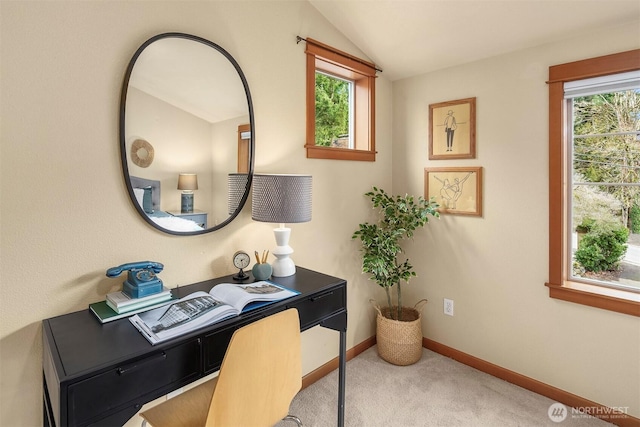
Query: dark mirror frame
(123,148)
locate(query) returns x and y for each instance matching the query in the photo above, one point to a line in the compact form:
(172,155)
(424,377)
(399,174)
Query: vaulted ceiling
(411,37)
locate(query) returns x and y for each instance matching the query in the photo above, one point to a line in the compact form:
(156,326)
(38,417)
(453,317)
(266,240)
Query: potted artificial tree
(398,328)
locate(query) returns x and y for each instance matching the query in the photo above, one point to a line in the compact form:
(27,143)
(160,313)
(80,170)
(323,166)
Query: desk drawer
(214,346)
(124,384)
(319,306)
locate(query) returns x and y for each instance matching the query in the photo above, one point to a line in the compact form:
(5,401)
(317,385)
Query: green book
(105,314)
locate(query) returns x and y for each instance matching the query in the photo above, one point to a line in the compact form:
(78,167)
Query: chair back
(260,374)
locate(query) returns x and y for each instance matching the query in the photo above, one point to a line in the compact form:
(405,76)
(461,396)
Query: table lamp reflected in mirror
(237,186)
(187,182)
(284,198)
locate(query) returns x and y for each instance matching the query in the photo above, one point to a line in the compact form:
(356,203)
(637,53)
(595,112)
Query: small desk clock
(241,261)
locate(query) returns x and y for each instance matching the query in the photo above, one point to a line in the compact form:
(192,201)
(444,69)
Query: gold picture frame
(458,190)
(452,129)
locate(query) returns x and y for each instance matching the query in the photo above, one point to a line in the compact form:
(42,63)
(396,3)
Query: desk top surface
(82,342)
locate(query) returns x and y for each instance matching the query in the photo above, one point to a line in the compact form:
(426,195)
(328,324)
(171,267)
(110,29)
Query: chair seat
(188,409)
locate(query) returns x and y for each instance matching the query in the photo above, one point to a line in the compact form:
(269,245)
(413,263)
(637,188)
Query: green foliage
(586,225)
(332,109)
(399,217)
(634,219)
(603,247)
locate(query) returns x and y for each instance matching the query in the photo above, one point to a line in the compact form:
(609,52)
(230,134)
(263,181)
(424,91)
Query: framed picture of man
(458,190)
(452,129)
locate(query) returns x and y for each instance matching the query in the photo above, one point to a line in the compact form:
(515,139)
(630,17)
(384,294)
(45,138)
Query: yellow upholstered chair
(260,375)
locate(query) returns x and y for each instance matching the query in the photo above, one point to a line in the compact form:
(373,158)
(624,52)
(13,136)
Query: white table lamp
(282,199)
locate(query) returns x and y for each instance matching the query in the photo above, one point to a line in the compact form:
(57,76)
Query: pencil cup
(262,271)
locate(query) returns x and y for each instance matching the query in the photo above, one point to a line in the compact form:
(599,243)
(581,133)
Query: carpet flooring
(436,391)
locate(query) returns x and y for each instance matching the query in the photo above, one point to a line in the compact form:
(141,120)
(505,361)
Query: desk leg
(339,323)
(341,377)
(45,416)
(47,411)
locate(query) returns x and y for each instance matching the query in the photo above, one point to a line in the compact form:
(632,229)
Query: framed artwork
(452,130)
(458,190)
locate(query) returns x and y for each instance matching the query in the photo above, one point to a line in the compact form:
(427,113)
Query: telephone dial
(142,279)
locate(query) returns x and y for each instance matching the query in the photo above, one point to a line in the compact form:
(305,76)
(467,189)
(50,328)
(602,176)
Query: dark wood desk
(101,374)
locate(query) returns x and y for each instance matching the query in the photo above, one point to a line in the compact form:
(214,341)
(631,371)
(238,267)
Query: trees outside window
(333,111)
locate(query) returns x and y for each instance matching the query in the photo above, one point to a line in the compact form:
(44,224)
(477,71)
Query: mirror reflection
(186,120)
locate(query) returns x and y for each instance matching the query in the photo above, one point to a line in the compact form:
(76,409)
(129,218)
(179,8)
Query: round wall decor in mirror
(142,153)
(190,97)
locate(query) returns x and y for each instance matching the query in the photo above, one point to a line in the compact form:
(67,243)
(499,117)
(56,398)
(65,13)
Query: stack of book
(119,304)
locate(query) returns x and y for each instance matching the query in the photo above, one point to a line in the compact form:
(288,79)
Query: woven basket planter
(399,341)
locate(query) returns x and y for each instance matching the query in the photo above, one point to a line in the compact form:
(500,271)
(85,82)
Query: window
(604,189)
(340,105)
(593,180)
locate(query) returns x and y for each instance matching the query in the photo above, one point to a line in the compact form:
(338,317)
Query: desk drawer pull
(314,299)
(131,368)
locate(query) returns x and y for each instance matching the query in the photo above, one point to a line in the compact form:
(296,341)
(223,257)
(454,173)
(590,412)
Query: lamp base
(283,266)
(186,203)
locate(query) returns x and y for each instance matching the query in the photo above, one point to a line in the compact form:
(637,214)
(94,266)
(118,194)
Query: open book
(201,308)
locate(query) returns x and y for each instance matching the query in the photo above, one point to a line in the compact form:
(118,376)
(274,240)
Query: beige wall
(65,213)
(495,267)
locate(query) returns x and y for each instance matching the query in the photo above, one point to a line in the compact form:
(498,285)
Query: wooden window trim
(325,58)
(559,286)
(243,149)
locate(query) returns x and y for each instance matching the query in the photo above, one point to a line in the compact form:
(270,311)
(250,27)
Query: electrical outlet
(448,307)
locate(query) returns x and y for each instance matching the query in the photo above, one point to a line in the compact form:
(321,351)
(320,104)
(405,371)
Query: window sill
(316,152)
(596,296)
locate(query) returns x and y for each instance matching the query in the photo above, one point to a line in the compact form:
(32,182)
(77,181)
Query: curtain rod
(346,55)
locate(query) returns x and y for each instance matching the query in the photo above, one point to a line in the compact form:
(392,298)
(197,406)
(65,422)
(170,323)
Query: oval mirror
(186,134)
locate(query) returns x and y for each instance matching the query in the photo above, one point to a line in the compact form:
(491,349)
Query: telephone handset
(141,278)
(147,269)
